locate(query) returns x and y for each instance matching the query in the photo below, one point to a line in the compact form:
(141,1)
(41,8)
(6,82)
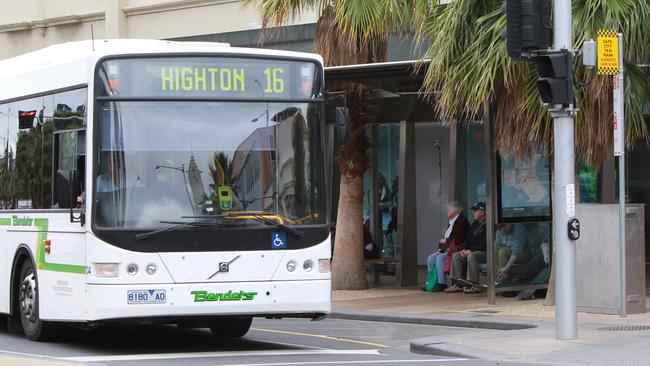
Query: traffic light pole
(564,190)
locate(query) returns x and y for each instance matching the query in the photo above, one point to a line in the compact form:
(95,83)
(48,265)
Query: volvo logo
(224,267)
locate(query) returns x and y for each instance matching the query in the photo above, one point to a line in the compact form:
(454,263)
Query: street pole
(619,150)
(564,190)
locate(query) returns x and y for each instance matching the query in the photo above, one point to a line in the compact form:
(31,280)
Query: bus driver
(109,180)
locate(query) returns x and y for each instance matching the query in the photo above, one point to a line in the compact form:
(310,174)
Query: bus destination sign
(219,79)
(208,78)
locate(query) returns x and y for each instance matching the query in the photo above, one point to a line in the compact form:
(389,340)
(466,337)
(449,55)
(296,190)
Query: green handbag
(432,280)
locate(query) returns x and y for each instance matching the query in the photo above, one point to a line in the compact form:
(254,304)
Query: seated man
(455,233)
(472,253)
(537,270)
(512,247)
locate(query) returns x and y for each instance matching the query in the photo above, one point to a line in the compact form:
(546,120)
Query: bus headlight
(291,266)
(151,269)
(324,265)
(132,269)
(106,269)
(308,265)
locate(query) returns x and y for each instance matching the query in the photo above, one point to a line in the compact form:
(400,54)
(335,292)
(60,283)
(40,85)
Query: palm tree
(221,170)
(470,66)
(347,32)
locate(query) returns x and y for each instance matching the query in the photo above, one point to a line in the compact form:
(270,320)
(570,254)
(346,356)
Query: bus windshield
(159,161)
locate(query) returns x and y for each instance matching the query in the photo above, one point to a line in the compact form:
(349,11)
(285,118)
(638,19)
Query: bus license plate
(146,297)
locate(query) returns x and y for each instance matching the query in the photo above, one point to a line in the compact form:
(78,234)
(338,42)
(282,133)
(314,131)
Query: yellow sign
(607,52)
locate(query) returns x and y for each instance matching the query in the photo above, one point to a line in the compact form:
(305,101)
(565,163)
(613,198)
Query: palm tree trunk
(347,263)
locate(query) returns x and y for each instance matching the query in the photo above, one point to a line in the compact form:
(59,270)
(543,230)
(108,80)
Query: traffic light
(528,26)
(555,83)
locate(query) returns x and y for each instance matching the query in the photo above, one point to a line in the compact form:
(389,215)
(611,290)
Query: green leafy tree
(8,180)
(470,66)
(34,165)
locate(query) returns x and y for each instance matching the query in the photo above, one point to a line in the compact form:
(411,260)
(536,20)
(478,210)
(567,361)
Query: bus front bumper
(109,302)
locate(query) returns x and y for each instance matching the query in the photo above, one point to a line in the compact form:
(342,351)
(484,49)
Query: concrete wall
(27,25)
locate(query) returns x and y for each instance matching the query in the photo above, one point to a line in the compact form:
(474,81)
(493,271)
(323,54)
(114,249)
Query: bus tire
(27,308)
(231,327)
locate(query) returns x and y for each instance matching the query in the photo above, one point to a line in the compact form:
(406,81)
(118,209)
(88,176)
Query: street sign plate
(570,197)
(607,52)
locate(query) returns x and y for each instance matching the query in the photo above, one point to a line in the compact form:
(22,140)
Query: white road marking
(297,346)
(164,356)
(322,336)
(350,362)
(3,352)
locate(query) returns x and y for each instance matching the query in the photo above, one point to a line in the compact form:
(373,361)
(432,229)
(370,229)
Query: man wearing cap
(472,252)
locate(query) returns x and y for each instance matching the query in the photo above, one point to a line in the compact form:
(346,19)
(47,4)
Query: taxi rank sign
(608,64)
(607,52)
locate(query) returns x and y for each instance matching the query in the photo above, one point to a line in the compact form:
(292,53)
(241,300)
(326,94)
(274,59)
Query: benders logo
(203,296)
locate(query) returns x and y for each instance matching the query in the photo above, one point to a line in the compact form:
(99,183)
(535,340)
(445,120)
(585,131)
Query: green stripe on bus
(42,226)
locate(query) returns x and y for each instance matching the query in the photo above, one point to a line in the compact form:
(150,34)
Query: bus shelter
(419,163)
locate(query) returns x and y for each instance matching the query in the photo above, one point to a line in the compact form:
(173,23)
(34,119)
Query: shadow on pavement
(114,339)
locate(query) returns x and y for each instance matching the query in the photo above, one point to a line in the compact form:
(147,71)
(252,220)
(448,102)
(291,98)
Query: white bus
(154,181)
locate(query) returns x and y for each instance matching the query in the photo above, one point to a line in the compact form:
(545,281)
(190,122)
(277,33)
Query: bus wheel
(232,327)
(34,328)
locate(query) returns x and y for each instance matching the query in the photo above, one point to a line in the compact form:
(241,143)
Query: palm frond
(469,65)
(276,13)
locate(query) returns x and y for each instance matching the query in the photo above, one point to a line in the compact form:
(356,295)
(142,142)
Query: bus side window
(69,161)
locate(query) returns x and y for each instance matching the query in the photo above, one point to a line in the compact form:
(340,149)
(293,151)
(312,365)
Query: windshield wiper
(256,216)
(284,227)
(179,225)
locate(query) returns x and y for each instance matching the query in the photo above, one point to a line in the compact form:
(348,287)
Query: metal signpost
(566,322)
(610,62)
(619,150)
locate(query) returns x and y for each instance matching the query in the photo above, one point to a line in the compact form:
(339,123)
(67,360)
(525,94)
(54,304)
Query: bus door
(69,163)
(62,262)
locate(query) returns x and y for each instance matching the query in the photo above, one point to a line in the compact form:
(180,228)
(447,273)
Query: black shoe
(439,288)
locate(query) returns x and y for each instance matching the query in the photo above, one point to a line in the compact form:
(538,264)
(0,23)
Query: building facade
(32,24)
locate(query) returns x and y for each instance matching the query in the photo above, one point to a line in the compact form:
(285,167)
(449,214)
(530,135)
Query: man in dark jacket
(472,253)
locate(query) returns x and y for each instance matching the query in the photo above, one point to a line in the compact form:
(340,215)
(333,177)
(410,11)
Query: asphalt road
(269,343)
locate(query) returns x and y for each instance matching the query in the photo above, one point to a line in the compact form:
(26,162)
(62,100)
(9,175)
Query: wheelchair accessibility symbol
(279,240)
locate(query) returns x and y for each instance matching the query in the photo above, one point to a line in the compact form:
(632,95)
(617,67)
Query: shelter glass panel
(385,176)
